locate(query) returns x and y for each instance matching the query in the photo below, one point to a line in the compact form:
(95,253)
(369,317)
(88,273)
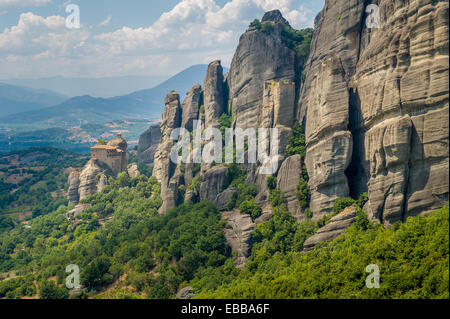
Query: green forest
(125,249)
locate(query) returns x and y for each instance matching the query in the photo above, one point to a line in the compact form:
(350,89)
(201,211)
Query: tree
(272,182)
(96,273)
(49,290)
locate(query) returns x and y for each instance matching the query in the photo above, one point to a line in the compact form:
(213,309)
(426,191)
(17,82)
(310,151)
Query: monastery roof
(106,147)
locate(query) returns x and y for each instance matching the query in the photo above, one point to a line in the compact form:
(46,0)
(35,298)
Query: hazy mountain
(16,99)
(98,87)
(87,109)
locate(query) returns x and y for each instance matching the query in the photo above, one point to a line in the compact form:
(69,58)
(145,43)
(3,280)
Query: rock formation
(148,143)
(335,228)
(259,58)
(164,167)
(106,160)
(185,293)
(133,171)
(191,106)
(288,178)
(212,182)
(238,234)
(74,183)
(223,198)
(376,108)
(214,98)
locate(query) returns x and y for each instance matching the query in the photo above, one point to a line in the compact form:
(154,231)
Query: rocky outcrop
(326,163)
(191,106)
(288,178)
(214,98)
(212,182)
(223,198)
(133,171)
(164,167)
(106,161)
(74,183)
(335,228)
(238,231)
(376,108)
(148,143)
(185,293)
(74,213)
(89,178)
(259,58)
(102,182)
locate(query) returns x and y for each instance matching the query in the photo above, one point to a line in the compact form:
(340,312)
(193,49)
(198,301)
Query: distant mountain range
(15,99)
(86,109)
(96,87)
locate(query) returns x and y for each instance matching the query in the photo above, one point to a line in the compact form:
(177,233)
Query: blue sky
(145,37)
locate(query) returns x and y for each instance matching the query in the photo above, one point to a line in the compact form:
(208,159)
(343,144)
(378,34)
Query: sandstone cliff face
(88,179)
(258,58)
(191,107)
(74,183)
(375,106)
(164,168)
(288,178)
(148,143)
(212,182)
(214,98)
(238,234)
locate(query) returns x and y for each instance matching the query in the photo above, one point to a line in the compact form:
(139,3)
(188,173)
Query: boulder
(185,293)
(223,198)
(336,227)
(133,171)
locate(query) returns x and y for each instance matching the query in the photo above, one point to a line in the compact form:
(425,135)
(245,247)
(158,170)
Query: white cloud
(22,3)
(200,24)
(35,35)
(105,22)
(194,31)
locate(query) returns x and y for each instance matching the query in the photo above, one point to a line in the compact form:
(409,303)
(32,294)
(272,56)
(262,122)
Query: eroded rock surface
(375,105)
(212,182)
(238,233)
(258,58)
(335,228)
(148,143)
(214,99)
(164,167)
(288,178)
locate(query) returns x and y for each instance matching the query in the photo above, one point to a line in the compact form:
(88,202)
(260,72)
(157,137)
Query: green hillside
(125,249)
